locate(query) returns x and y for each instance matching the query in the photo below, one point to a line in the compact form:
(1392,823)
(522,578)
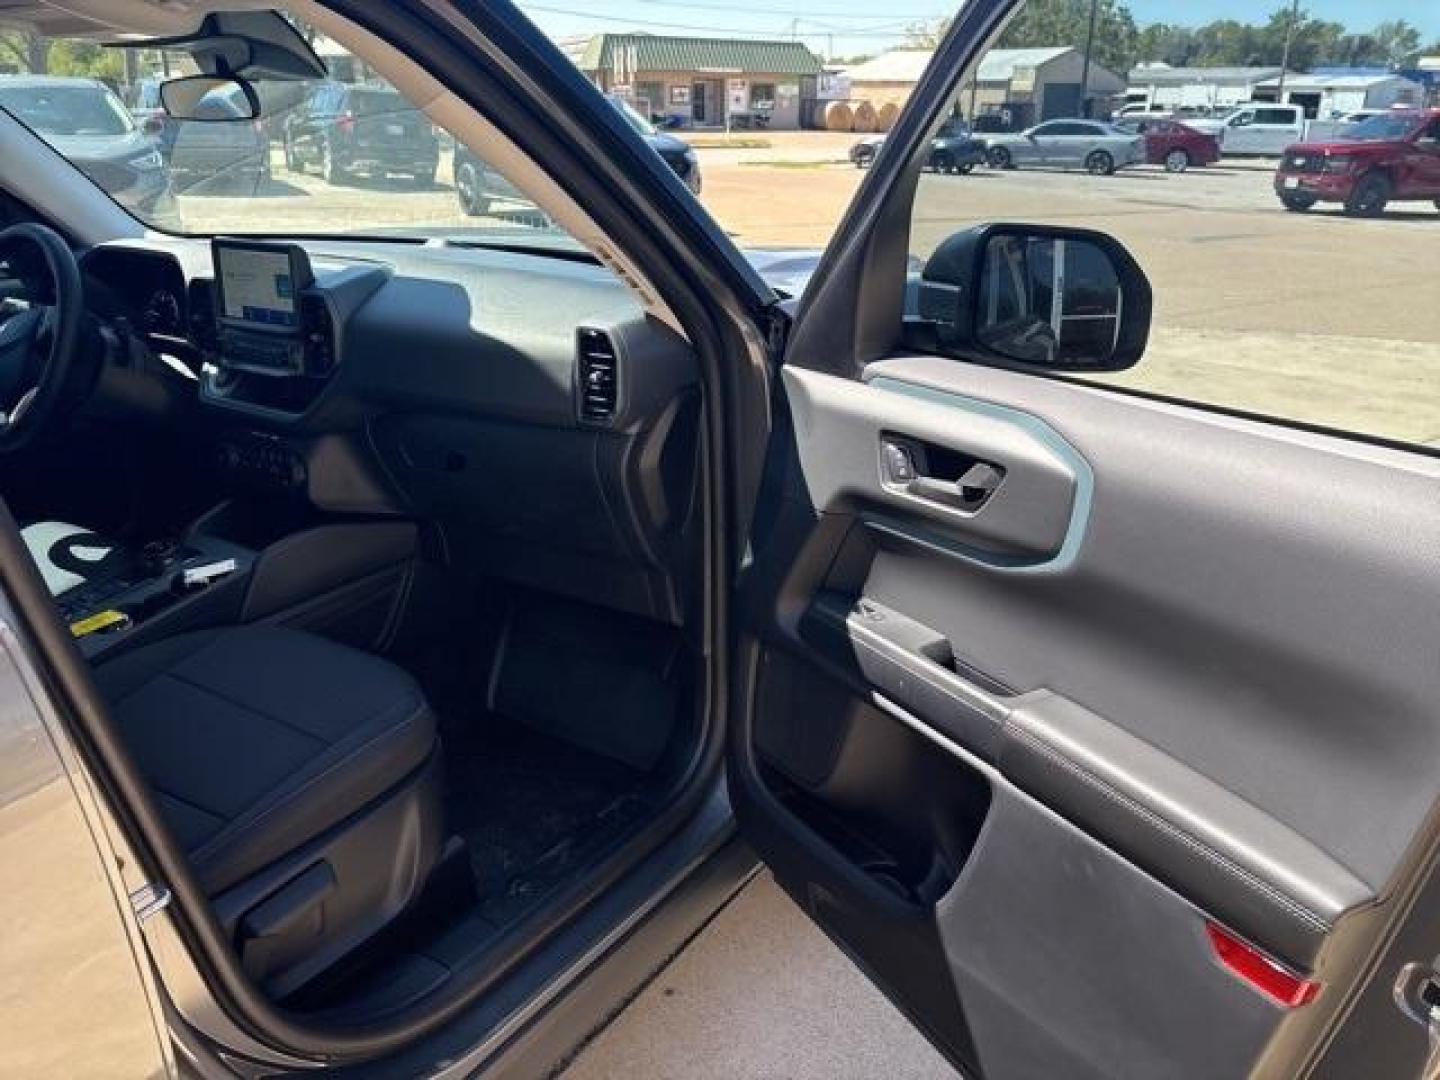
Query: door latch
(1417,995)
(149,900)
(939,476)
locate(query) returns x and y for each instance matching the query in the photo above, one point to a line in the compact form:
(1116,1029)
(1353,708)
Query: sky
(836,27)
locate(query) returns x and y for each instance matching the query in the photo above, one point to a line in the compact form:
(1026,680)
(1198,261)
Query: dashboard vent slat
(599,376)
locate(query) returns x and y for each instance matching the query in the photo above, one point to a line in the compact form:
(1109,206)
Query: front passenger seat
(301,777)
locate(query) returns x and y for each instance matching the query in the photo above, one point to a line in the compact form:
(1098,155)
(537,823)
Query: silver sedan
(1065,144)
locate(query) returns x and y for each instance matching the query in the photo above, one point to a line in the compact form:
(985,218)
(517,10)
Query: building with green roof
(703,81)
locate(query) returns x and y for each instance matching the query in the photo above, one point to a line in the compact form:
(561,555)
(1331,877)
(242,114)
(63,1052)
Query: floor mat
(533,809)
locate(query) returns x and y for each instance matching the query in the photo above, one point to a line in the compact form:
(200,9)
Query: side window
(1279,290)
(1277,117)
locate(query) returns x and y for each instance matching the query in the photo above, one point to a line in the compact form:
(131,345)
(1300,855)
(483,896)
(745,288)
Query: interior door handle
(968,493)
(924,473)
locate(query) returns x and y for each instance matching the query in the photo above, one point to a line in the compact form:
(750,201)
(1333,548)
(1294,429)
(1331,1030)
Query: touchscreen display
(257,286)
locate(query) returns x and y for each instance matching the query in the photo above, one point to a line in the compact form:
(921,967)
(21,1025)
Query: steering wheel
(37,343)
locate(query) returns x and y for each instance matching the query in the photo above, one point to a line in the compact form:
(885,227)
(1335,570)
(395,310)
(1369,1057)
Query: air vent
(599,376)
(319,333)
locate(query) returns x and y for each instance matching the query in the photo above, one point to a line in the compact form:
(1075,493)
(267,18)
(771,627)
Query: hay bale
(886,115)
(864,119)
(838,116)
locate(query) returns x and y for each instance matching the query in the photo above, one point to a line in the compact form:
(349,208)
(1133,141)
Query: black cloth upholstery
(257,739)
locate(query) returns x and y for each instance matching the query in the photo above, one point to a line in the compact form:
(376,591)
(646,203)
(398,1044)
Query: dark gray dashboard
(524,405)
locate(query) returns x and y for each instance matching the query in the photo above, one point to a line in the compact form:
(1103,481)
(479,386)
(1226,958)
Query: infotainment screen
(259,283)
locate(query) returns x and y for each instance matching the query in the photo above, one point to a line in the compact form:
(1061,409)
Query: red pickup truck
(1392,157)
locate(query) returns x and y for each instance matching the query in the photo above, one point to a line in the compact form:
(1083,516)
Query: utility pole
(1285,55)
(1085,71)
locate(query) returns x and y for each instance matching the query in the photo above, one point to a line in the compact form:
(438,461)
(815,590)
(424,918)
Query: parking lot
(1318,317)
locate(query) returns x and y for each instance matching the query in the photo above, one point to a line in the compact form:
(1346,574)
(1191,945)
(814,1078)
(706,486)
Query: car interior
(392,589)
(399,648)
(1066,712)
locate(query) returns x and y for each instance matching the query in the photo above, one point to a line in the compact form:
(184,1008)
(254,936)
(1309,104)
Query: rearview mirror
(209,98)
(1036,296)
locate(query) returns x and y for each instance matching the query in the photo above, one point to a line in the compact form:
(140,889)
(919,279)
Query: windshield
(66,110)
(1381,129)
(347,155)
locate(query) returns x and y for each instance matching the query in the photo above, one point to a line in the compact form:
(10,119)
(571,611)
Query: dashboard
(145,289)
(524,405)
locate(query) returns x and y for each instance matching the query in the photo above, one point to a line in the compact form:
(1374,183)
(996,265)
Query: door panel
(1182,666)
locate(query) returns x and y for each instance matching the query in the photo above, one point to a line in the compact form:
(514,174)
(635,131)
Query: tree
(925,35)
(73,56)
(1312,41)
(1165,44)
(1397,42)
(1043,23)
(26,51)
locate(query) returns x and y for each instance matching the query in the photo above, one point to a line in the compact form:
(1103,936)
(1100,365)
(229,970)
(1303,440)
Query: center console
(271,324)
(252,561)
(165,587)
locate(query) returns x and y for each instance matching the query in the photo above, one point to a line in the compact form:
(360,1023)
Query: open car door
(1101,731)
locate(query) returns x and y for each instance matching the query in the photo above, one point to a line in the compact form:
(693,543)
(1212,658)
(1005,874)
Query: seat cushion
(256,739)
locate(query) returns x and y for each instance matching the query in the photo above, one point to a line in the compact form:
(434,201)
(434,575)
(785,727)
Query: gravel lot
(1316,317)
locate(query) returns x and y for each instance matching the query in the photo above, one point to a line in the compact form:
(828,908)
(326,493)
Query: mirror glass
(1049,301)
(208,97)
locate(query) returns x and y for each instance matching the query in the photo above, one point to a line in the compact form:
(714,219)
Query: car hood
(1346,146)
(786,270)
(83,148)
(665,145)
(789,270)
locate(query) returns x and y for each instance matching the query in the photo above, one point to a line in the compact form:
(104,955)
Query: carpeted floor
(533,809)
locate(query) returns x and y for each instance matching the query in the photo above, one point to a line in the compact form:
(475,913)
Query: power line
(889,15)
(710,29)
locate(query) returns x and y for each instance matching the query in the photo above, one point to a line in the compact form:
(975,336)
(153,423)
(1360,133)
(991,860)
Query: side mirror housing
(1041,297)
(209,98)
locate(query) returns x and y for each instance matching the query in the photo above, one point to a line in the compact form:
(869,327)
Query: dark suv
(954,149)
(344,129)
(1392,157)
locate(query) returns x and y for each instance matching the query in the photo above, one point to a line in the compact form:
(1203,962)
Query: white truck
(1257,127)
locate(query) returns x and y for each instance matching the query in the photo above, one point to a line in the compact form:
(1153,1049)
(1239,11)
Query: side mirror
(1037,296)
(209,98)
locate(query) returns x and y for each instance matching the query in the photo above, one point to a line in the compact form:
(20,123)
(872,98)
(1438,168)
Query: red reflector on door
(1259,970)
